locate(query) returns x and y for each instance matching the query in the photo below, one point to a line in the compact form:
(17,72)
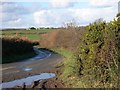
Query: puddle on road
(28,80)
(27,69)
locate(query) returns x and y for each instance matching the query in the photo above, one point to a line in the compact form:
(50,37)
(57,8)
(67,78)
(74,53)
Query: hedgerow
(13,47)
(99,54)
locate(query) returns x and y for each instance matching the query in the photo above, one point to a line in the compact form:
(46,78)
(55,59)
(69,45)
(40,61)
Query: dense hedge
(99,55)
(13,46)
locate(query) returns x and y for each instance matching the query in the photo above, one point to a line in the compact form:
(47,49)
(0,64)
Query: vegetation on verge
(69,73)
(96,60)
(65,42)
(99,55)
(15,49)
(66,39)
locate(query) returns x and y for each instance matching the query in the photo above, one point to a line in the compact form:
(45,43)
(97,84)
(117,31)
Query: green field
(30,34)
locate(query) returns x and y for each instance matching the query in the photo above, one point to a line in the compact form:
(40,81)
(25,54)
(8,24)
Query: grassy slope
(69,70)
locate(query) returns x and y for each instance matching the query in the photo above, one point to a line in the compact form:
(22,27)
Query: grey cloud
(6,17)
(13,12)
(13,7)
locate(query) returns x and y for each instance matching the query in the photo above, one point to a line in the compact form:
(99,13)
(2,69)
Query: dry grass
(65,39)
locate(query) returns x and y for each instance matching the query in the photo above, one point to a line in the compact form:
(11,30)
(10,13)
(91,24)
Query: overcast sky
(54,13)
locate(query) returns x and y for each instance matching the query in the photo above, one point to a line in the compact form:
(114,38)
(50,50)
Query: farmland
(30,34)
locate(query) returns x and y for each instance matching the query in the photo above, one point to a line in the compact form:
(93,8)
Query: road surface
(43,62)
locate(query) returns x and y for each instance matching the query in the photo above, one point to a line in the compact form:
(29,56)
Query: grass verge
(69,74)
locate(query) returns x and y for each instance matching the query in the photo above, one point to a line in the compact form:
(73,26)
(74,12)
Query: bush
(98,55)
(32,28)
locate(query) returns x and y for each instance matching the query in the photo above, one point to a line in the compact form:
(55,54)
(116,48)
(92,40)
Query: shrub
(98,55)
(32,28)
